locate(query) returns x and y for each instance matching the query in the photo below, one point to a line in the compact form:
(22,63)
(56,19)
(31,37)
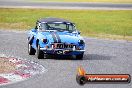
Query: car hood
(63,37)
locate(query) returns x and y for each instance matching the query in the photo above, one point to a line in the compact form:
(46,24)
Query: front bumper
(62,51)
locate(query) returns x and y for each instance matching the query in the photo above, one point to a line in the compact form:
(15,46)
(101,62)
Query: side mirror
(36,27)
(34,30)
(79,32)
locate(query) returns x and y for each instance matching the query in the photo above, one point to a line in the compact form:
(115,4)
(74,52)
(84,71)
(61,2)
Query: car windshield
(58,26)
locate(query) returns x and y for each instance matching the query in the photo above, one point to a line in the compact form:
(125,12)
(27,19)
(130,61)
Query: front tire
(40,54)
(31,50)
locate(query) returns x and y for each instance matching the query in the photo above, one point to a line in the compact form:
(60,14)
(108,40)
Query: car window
(43,26)
(58,26)
(72,28)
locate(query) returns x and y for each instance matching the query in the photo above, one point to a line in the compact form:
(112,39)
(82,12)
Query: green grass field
(108,24)
(112,1)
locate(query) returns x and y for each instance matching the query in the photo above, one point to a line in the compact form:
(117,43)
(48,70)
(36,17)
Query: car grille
(62,46)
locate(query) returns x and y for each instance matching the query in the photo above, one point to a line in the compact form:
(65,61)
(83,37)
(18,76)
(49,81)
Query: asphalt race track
(63,5)
(101,57)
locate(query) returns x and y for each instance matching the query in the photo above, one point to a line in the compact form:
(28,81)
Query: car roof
(51,19)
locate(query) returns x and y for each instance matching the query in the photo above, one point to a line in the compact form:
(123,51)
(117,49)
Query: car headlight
(81,41)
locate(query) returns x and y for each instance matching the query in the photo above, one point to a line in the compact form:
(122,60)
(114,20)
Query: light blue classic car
(55,36)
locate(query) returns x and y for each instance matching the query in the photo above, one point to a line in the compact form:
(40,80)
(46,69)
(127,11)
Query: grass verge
(108,1)
(117,24)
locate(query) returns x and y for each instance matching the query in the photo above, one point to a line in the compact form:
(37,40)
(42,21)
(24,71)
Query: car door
(35,34)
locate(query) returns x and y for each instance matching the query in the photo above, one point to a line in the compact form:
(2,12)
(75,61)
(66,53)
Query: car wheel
(79,57)
(40,54)
(31,50)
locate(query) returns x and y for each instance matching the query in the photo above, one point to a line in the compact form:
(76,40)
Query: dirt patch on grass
(111,37)
(19,25)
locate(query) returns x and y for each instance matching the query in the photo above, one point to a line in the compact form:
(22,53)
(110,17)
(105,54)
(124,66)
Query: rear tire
(79,57)
(31,50)
(40,54)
